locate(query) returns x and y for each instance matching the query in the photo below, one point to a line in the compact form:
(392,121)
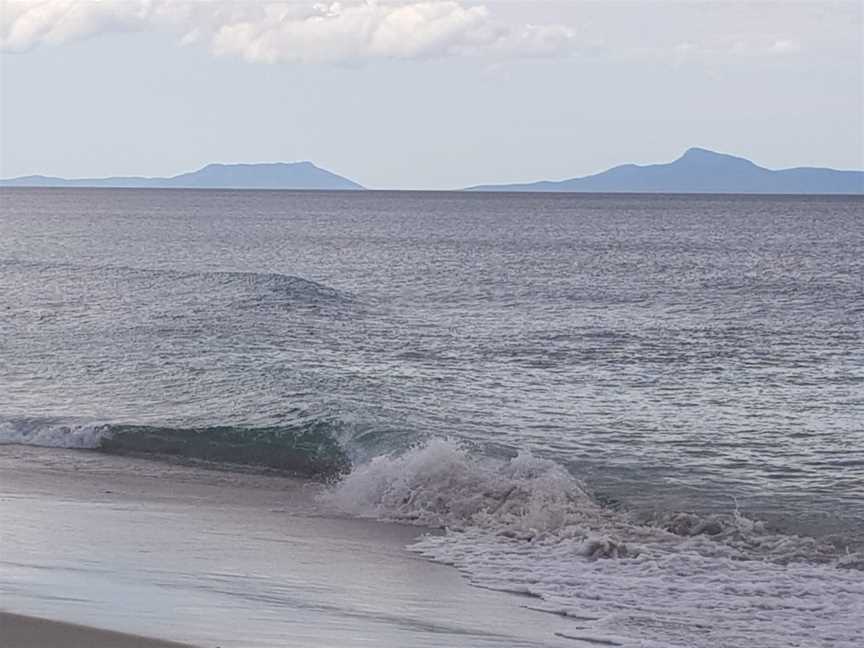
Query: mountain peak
(255,165)
(698,151)
(697,154)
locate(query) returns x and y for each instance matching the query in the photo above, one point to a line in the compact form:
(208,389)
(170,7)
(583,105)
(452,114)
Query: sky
(426,94)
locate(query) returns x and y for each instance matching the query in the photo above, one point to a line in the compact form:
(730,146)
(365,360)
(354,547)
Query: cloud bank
(296,31)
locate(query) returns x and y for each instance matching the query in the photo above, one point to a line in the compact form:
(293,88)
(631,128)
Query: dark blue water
(675,352)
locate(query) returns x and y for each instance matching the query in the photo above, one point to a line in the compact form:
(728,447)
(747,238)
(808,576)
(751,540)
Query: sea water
(645,412)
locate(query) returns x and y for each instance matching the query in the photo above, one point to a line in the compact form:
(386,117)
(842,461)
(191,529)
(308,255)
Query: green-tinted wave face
(308,450)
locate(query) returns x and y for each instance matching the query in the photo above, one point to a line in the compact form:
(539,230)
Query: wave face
(309,450)
(526,525)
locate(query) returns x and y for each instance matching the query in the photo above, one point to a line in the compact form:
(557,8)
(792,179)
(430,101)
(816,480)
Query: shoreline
(22,631)
(206,558)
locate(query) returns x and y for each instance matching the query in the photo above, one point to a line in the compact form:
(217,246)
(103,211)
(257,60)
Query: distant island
(702,171)
(280,175)
(697,171)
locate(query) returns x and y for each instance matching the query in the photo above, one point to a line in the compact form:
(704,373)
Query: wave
(264,287)
(441,484)
(527,525)
(307,448)
(52,434)
(272,287)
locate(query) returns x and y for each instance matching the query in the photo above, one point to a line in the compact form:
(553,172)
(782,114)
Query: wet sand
(213,558)
(17,631)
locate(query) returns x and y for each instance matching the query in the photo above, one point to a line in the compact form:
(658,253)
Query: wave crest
(440,484)
(52,434)
(244,288)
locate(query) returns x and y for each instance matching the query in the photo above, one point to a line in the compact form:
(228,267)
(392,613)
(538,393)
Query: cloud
(25,24)
(270,32)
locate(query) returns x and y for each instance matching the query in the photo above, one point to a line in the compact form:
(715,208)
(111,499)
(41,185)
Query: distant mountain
(702,171)
(295,175)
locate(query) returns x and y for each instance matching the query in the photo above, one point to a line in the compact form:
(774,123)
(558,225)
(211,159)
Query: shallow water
(653,354)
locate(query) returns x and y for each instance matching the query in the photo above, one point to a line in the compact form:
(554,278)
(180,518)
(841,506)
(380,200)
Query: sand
(17,631)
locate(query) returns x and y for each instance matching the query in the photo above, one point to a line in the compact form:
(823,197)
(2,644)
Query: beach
(214,558)
(17,631)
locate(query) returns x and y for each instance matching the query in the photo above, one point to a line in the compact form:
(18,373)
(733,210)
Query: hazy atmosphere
(435,94)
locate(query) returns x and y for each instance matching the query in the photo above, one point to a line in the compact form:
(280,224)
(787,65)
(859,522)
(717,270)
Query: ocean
(643,413)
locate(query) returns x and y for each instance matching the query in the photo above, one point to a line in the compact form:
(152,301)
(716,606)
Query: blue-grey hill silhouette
(702,171)
(279,175)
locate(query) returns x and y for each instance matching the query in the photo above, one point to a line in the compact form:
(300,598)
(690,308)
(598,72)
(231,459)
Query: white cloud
(335,32)
(27,23)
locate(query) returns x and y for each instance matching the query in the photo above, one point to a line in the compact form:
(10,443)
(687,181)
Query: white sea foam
(40,432)
(526,525)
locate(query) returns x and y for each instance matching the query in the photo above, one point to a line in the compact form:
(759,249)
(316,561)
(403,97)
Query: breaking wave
(52,434)
(526,525)
(309,448)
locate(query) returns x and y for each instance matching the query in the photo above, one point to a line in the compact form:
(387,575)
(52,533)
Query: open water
(643,410)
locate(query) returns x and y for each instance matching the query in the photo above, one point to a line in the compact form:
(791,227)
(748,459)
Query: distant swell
(308,448)
(268,287)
